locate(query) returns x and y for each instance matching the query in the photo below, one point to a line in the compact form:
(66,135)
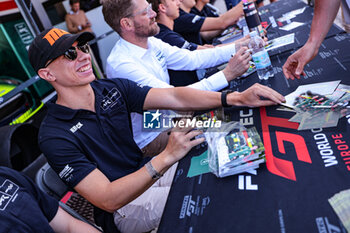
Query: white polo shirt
(150,67)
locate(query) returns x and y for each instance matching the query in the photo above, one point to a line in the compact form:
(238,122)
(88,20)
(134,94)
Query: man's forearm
(186,99)
(324,15)
(126,189)
(233,15)
(223,21)
(65,223)
(208,35)
(193,99)
(114,195)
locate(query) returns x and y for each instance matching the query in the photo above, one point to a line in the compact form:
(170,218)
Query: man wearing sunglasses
(144,59)
(87,136)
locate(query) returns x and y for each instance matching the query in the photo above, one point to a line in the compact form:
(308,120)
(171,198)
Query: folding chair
(49,182)
(19,148)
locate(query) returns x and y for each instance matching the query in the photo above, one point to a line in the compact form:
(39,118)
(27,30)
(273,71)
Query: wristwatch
(153,173)
(224,98)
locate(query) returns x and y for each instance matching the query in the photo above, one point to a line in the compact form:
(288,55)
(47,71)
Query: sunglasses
(72,54)
(147,11)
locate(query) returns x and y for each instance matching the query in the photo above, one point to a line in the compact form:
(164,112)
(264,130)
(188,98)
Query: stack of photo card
(231,34)
(319,105)
(340,203)
(234,152)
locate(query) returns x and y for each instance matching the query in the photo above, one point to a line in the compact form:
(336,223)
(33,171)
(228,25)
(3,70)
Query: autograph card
(324,88)
(280,41)
(291,26)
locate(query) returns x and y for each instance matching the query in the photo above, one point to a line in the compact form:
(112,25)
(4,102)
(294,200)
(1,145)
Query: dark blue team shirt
(24,208)
(173,38)
(206,12)
(189,25)
(76,142)
(178,78)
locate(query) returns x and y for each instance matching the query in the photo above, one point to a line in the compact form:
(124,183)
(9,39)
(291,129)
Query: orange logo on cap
(54,34)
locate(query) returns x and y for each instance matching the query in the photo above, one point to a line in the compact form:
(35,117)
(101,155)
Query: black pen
(268,26)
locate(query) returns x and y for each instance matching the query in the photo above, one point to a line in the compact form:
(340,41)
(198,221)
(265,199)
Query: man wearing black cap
(87,136)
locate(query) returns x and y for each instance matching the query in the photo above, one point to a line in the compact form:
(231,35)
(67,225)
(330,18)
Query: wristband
(224,98)
(153,173)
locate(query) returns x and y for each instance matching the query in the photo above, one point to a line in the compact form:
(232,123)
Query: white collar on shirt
(136,50)
(73,13)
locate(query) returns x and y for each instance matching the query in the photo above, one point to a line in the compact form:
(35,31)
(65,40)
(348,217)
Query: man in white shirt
(142,58)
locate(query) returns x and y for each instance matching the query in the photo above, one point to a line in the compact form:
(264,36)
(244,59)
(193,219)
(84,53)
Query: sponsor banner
(8,7)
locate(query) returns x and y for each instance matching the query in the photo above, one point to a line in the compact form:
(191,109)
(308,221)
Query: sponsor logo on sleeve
(196,18)
(8,191)
(66,173)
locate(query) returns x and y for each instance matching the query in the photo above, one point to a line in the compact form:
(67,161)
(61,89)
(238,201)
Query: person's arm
(65,223)
(193,60)
(129,69)
(114,195)
(242,42)
(238,64)
(176,59)
(324,14)
(206,46)
(209,35)
(70,26)
(223,21)
(187,99)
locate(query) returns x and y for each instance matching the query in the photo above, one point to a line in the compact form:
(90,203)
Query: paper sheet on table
(291,26)
(291,15)
(340,203)
(323,119)
(296,118)
(324,88)
(199,165)
(298,11)
(280,41)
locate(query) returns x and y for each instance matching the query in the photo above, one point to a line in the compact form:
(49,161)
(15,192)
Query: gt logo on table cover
(276,165)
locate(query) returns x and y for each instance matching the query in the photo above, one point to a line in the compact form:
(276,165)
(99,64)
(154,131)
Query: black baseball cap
(52,43)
